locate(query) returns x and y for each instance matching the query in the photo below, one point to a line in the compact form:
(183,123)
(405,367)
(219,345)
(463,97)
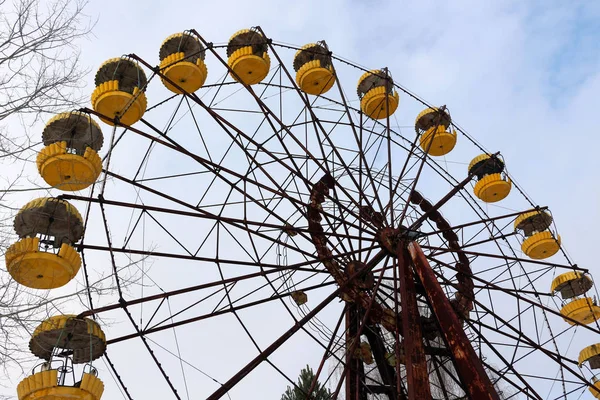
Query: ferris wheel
(256,216)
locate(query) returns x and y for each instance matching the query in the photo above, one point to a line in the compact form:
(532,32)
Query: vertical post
(414,354)
(476,382)
(349,374)
(355,388)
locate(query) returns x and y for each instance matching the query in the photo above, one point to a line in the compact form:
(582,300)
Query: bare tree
(40,69)
(40,75)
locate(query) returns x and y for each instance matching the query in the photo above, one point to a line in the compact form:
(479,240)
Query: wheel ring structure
(298,179)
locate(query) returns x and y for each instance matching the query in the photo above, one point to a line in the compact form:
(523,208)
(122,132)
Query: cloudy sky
(520,77)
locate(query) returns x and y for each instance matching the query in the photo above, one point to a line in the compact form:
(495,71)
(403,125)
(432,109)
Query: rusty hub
(390,238)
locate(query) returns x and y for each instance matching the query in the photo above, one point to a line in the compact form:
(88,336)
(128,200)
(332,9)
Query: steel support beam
(414,354)
(476,383)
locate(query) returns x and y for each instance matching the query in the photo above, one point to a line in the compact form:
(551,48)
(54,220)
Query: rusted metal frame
(316,121)
(388,374)
(521,275)
(109,248)
(415,225)
(442,364)
(437,365)
(236,110)
(147,345)
(226,289)
(207,164)
(508,364)
(492,239)
(129,235)
(228,296)
(215,176)
(259,165)
(187,257)
(356,136)
(119,291)
(520,335)
(360,183)
(275,291)
(353,368)
(162,301)
(209,315)
(376,145)
(470,370)
(554,356)
(328,351)
(414,186)
(545,343)
(541,378)
(528,347)
(160,103)
(403,170)
(362,325)
(415,362)
(507,258)
(146,207)
(404,90)
(335,199)
(502,265)
(149,149)
(335,195)
(91,302)
(398,393)
(219,87)
(197,127)
(251,159)
(495,227)
(180,202)
(531,292)
(298,266)
(277,343)
(210,166)
(405,185)
(479,211)
(389,145)
(276,368)
(265,109)
(502,252)
(524,299)
(169,233)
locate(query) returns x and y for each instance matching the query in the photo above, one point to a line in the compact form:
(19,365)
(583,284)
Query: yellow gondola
(83,341)
(182,61)
(248,58)
(433,124)
(583,310)
(83,337)
(314,71)
(60,225)
(378,98)
(539,241)
(571,284)
(591,355)
(120,83)
(492,184)
(70,160)
(46,385)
